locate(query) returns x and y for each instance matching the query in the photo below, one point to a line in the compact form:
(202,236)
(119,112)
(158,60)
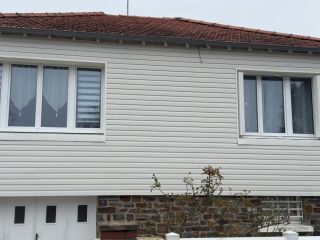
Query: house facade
(92,105)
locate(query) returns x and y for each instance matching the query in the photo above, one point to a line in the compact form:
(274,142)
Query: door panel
(78,228)
(51,218)
(19,218)
(2,213)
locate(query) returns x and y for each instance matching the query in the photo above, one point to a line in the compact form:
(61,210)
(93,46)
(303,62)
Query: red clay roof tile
(98,22)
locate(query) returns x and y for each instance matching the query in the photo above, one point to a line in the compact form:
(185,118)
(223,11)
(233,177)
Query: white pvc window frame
(71,132)
(315,84)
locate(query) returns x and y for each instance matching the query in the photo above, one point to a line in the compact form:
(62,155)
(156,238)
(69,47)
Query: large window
(50,98)
(274,105)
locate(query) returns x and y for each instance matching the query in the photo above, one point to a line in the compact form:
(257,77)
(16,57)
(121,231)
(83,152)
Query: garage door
(48,218)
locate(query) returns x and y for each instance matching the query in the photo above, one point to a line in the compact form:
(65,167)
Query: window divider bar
(259,105)
(287,105)
(72,93)
(316,104)
(5,95)
(242,119)
(39,96)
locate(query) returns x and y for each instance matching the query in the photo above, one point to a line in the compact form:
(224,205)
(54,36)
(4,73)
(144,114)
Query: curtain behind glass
(301,101)
(54,97)
(250,104)
(23,90)
(272,104)
(88,98)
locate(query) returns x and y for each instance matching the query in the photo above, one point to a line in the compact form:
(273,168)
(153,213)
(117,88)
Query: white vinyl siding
(166,113)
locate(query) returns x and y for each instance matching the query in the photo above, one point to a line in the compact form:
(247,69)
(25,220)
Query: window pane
(54,97)
(272,104)
(51,214)
(250,104)
(23,95)
(82,213)
(301,100)
(19,213)
(88,98)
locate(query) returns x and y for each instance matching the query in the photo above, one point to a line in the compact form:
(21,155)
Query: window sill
(279,141)
(60,136)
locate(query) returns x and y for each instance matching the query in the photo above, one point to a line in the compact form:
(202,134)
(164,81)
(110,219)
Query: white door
(2,212)
(82,218)
(48,218)
(51,218)
(19,218)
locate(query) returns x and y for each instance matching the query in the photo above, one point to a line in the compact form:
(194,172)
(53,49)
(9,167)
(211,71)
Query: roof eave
(151,39)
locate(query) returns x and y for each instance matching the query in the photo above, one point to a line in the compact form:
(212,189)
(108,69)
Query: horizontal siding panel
(205,99)
(218,59)
(216,159)
(214,71)
(98,189)
(133,83)
(171,89)
(173,71)
(147,177)
(190,94)
(158,171)
(136,192)
(194,156)
(157,123)
(145,167)
(217,138)
(146,141)
(78,183)
(221,62)
(114,78)
(165,75)
(173,129)
(189,109)
(136,157)
(169,134)
(183,114)
(134,119)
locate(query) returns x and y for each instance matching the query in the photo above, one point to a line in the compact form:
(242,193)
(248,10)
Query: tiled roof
(177,28)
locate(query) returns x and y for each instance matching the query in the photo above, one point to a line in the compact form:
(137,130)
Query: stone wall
(311,212)
(150,212)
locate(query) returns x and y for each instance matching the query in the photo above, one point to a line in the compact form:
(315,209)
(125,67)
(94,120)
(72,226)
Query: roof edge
(151,39)
(51,14)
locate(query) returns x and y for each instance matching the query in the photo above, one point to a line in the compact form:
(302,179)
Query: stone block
(118,217)
(141,205)
(136,199)
(125,198)
(107,210)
